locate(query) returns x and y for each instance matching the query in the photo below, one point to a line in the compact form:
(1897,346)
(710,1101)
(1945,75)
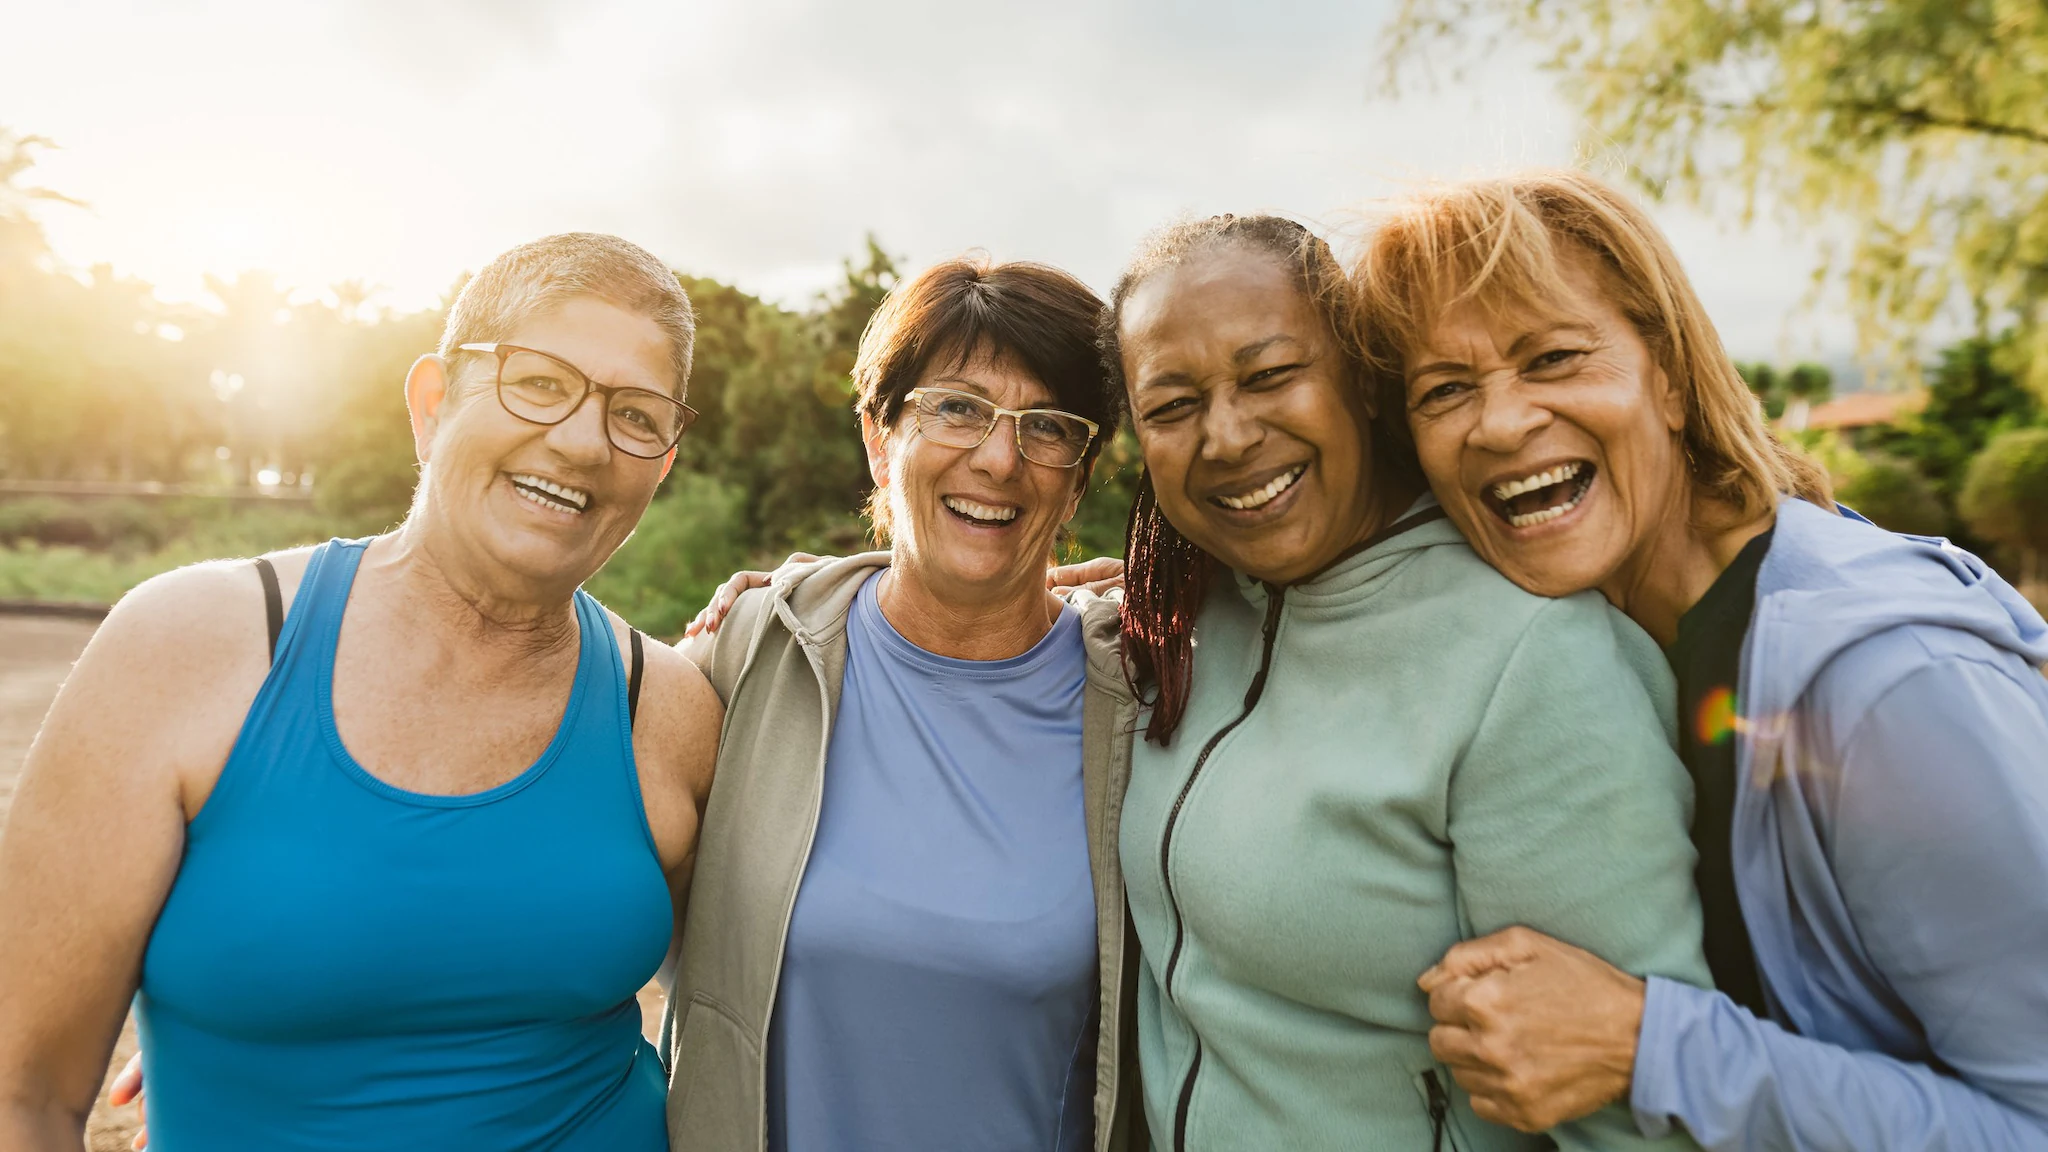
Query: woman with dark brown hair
(906,928)
(1363,744)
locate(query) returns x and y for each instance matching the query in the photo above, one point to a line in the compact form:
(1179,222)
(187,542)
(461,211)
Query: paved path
(35,654)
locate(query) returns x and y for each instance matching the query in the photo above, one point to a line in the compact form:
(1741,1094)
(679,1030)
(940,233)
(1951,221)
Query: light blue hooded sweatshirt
(1891,854)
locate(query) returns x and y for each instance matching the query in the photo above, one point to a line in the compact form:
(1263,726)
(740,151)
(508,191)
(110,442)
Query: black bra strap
(273,602)
(633,678)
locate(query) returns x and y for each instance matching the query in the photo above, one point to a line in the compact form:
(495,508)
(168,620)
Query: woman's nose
(1229,427)
(997,456)
(583,438)
(1508,416)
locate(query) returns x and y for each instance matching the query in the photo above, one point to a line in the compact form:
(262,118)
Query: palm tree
(20,236)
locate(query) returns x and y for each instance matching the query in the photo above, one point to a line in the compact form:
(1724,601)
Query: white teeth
(1264,496)
(1514,488)
(1546,515)
(566,499)
(980,511)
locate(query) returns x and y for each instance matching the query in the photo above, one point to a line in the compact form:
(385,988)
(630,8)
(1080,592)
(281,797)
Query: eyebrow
(1514,349)
(1239,358)
(962,385)
(1050,402)
(1250,352)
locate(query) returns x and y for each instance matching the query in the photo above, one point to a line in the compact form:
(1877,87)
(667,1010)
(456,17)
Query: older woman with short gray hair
(392,869)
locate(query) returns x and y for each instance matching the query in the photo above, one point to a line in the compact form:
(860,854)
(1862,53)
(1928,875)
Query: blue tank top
(342,964)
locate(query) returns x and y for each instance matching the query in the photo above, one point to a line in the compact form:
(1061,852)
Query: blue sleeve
(1940,852)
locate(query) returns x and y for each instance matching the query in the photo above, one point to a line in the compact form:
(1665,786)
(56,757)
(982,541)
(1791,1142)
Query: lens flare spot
(1716,721)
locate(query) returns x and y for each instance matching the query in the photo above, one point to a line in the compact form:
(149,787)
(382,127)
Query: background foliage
(1911,136)
(100,381)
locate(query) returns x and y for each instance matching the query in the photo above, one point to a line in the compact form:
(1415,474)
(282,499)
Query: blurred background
(227,227)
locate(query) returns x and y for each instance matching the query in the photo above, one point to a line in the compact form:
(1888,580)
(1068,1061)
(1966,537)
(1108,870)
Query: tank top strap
(603,721)
(312,623)
(315,616)
(600,682)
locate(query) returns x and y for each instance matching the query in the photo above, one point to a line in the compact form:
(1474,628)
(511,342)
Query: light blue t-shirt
(939,980)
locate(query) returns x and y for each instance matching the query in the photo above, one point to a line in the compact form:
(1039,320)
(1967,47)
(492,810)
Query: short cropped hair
(1033,315)
(545,273)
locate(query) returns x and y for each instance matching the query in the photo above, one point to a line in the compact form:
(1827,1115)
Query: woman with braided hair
(1363,744)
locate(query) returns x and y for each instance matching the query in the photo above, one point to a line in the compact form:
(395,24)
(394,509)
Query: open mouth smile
(1543,496)
(1264,494)
(548,494)
(979,514)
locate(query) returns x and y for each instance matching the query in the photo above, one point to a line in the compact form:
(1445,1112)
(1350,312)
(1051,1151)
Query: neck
(1383,504)
(434,590)
(966,626)
(1670,573)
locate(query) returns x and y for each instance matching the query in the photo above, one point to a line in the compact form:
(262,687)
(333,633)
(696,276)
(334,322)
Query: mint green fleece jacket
(1400,753)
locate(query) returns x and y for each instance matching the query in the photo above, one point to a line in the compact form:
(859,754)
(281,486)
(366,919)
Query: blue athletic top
(342,964)
(939,977)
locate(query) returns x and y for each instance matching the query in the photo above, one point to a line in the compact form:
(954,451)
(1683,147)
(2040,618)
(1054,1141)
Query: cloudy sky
(401,142)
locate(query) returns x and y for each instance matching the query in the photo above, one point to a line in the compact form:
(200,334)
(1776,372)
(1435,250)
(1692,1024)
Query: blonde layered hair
(1501,243)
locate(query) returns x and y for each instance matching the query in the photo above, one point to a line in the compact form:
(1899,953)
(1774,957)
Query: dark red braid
(1165,580)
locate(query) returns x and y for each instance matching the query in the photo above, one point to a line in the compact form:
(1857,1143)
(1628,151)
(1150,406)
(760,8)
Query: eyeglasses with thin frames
(541,388)
(1045,436)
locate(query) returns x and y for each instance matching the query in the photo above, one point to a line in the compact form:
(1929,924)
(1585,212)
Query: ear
(1672,398)
(1085,471)
(426,394)
(876,438)
(667,462)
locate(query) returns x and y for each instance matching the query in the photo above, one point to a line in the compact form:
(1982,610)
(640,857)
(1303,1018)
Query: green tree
(1769,387)
(1972,396)
(2005,498)
(1911,133)
(1890,492)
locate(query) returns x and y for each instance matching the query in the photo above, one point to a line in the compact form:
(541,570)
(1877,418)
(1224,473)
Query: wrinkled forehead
(607,343)
(985,368)
(1564,284)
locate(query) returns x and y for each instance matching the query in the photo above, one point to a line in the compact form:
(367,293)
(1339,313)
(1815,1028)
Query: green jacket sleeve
(1569,812)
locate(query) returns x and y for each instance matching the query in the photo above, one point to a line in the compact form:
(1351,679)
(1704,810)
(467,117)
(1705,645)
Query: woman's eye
(957,407)
(1269,376)
(1440,394)
(1555,358)
(1172,409)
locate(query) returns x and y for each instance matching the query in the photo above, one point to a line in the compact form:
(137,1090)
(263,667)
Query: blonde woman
(1862,715)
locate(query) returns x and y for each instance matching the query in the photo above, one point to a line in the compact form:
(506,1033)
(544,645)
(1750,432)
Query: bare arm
(129,749)
(675,746)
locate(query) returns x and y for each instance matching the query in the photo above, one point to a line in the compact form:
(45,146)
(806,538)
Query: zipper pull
(1439,1109)
(1276,597)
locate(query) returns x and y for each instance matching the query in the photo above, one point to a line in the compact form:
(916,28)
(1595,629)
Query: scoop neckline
(354,768)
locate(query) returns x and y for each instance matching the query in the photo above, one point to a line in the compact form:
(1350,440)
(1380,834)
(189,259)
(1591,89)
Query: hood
(1830,581)
(813,600)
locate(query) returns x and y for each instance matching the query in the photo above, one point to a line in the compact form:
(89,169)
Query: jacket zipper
(1439,1111)
(1276,598)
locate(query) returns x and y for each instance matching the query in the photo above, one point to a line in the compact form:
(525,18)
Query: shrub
(2005,496)
(685,546)
(1894,495)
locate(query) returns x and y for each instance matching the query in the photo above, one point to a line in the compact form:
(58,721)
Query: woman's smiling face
(1551,439)
(974,519)
(1253,432)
